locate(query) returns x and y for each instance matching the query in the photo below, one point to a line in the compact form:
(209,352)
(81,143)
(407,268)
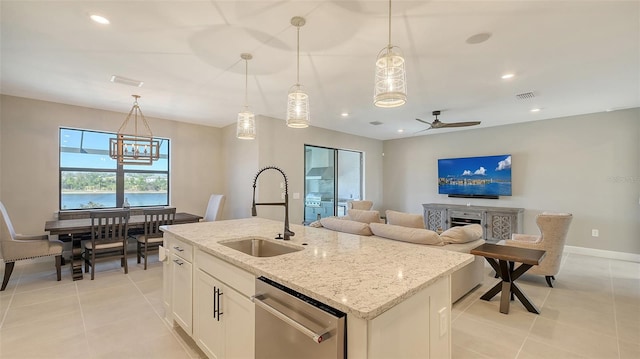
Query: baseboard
(623,256)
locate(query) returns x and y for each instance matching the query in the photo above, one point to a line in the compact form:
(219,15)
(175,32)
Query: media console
(497,222)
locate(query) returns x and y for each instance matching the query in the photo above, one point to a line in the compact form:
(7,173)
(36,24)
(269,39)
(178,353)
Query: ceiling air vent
(125,81)
(525,96)
(375,123)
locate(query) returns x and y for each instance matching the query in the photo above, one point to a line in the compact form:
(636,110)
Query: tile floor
(593,312)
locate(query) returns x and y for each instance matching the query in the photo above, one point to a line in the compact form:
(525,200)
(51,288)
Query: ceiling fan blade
(428,123)
(460,124)
(417,132)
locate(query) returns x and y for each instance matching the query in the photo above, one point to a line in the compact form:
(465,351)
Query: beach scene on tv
(475,176)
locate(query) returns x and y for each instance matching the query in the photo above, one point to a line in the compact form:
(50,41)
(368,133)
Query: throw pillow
(462,234)
(359,215)
(405,219)
(345,225)
(406,234)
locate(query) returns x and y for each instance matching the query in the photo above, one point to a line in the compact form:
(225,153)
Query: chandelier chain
(298,67)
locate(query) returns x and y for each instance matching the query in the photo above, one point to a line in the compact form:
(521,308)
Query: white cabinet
(181,258)
(223,311)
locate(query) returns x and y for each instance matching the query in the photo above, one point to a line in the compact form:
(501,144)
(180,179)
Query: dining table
(77,229)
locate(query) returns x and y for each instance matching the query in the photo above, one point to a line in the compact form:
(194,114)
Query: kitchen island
(396,295)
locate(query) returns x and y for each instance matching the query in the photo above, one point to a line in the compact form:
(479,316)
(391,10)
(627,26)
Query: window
(89,178)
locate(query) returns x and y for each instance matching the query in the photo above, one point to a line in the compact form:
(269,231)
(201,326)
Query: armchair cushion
(462,234)
(363,216)
(15,250)
(405,219)
(406,234)
(346,225)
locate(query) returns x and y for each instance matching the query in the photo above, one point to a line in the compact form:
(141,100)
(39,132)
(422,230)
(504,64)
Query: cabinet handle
(216,303)
(178,249)
(178,262)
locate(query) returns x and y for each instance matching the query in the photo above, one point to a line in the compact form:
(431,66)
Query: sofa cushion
(406,234)
(346,225)
(359,215)
(462,234)
(405,219)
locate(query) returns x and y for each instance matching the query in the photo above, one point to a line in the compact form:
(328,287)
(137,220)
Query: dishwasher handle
(316,337)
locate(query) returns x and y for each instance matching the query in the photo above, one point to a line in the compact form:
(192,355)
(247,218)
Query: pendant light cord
(246,83)
(389,23)
(298,68)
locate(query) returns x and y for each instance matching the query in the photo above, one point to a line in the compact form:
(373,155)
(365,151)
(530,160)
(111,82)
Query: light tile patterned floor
(593,312)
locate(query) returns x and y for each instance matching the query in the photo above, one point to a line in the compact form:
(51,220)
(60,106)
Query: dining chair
(152,237)
(17,247)
(214,208)
(109,231)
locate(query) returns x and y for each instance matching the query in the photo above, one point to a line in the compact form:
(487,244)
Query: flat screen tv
(475,177)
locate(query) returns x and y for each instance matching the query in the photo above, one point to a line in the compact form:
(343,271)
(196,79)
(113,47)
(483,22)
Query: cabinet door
(435,218)
(181,296)
(239,321)
(500,225)
(208,330)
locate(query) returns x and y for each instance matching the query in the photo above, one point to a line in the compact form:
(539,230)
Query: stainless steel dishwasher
(292,325)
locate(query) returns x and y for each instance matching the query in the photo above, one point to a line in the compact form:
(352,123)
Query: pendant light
(131,147)
(298,100)
(391,82)
(246,128)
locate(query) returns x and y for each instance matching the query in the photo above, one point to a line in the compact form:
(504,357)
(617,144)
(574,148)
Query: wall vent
(525,96)
(125,81)
(375,123)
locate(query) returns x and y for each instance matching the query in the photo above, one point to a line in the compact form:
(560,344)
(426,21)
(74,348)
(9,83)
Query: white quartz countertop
(359,275)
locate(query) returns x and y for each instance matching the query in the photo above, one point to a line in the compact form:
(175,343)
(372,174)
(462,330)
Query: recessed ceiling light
(507,76)
(345,114)
(535,110)
(100,19)
(478,38)
(401,130)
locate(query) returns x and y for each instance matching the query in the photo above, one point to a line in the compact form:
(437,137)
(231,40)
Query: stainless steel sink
(260,248)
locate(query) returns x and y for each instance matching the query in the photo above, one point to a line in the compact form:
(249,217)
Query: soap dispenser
(126,203)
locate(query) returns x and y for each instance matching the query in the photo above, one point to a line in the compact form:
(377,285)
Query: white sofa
(410,228)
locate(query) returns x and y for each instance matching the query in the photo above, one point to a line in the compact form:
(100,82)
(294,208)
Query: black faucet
(287,233)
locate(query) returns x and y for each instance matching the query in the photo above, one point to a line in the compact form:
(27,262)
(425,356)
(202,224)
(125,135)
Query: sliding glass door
(332,177)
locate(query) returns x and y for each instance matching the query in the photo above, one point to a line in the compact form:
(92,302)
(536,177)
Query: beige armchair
(18,247)
(553,228)
(363,205)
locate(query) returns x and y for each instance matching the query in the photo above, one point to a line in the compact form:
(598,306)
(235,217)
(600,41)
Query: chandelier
(390,84)
(246,128)
(298,100)
(133,148)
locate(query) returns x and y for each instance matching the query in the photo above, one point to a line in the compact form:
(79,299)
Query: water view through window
(89,178)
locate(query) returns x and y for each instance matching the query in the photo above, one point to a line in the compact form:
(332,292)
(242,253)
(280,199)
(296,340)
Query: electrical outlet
(296,195)
(595,233)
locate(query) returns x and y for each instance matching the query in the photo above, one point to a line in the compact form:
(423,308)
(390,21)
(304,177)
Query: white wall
(283,147)
(29,132)
(587,165)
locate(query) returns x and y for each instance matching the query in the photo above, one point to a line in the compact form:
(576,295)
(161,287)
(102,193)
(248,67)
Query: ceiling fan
(438,124)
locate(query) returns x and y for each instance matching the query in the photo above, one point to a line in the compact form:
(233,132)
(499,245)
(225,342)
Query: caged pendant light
(298,100)
(391,82)
(246,128)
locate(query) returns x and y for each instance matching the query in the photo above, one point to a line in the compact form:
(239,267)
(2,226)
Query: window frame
(120,171)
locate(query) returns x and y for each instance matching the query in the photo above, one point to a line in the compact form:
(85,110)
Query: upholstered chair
(214,208)
(17,247)
(363,205)
(553,234)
